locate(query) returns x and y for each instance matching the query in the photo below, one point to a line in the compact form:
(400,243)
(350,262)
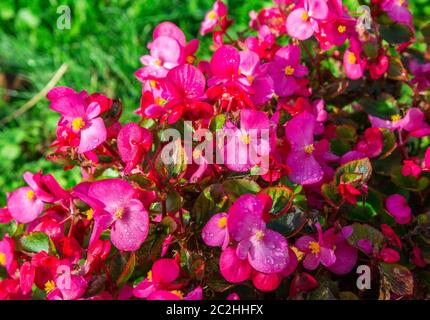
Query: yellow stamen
(119,213)
(78,124)
(30,195)
(222,222)
(289,71)
(149,275)
(153,84)
(250,78)
(309,148)
(401,2)
(190,59)
(341,29)
(396,117)
(160,101)
(49,286)
(305,16)
(259,235)
(178,293)
(352,59)
(89,213)
(157,62)
(2,259)
(212,15)
(299,254)
(245,138)
(314,247)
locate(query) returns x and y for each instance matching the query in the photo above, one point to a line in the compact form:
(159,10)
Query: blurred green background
(102,50)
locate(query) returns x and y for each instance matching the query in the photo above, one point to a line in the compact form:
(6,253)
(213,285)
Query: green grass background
(102,50)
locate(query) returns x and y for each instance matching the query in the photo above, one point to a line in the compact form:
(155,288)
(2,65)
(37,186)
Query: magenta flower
(46,188)
(133,142)
(266,282)
(266,250)
(286,70)
(316,250)
(224,66)
(215,232)
(7,247)
(421,74)
(184,91)
(232,268)
(352,62)
(299,132)
(398,11)
(398,208)
(303,21)
(24,206)
(213,17)
(121,210)
(78,117)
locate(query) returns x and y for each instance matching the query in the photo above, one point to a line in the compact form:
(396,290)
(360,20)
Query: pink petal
(303,243)
(327,256)
(398,208)
(214,235)
(298,28)
(22,208)
(166,49)
(266,282)
(346,258)
(169,29)
(165,270)
(232,268)
(225,62)
(92,135)
(304,168)
(311,261)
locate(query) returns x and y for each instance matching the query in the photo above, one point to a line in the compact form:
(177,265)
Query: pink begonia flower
(266,282)
(24,206)
(160,281)
(262,44)
(378,68)
(421,74)
(303,21)
(389,255)
(257,78)
(67,287)
(121,210)
(316,250)
(371,143)
(224,66)
(417,258)
(413,122)
(398,208)
(46,188)
(169,29)
(292,263)
(233,296)
(286,70)
(232,268)
(299,132)
(250,143)
(351,156)
(365,245)
(215,233)
(266,250)
(79,117)
(133,143)
(334,32)
(213,17)
(398,11)
(7,247)
(26,277)
(353,63)
(346,255)
(184,91)
(410,167)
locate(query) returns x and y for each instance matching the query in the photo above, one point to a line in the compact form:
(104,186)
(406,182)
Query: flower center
(352,59)
(178,293)
(305,16)
(222,222)
(309,148)
(153,84)
(157,62)
(245,138)
(259,235)
(159,101)
(2,259)
(78,124)
(49,286)
(149,275)
(212,15)
(30,195)
(299,254)
(190,59)
(250,78)
(119,213)
(314,247)
(289,71)
(89,213)
(396,117)
(341,29)
(401,2)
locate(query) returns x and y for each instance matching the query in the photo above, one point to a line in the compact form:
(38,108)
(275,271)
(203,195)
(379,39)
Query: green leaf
(290,223)
(171,162)
(389,143)
(409,182)
(360,212)
(8,228)
(35,242)
(212,200)
(395,33)
(237,187)
(378,108)
(174,201)
(360,167)
(331,195)
(281,199)
(217,122)
(127,271)
(426,32)
(365,232)
(396,70)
